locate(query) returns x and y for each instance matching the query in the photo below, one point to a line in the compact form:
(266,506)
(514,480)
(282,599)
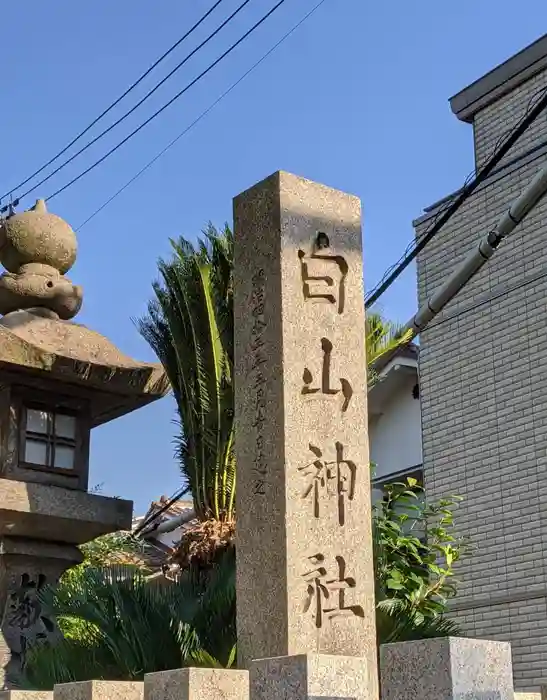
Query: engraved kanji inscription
(325,386)
(333,478)
(25,620)
(258,358)
(324,287)
(326,594)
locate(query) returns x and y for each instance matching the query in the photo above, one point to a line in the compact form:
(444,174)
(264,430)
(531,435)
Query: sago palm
(381,335)
(123,625)
(190,327)
(128,626)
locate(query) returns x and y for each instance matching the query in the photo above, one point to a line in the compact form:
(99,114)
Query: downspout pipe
(479,256)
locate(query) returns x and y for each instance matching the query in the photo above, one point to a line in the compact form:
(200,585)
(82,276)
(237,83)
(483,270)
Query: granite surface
(449,668)
(26,695)
(37,248)
(26,567)
(37,301)
(99,690)
(36,345)
(311,676)
(37,236)
(304,549)
(57,514)
(197,684)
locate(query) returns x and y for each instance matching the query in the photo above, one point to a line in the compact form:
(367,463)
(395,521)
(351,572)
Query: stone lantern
(58,380)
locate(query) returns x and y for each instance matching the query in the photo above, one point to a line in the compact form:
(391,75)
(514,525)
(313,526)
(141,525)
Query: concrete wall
(483,378)
(395,436)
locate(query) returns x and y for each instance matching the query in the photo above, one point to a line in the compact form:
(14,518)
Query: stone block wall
(483,381)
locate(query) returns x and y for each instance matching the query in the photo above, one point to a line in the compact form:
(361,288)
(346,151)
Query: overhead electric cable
(200,117)
(530,116)
(157,514)
(180,494)
(171,101)
(117,101)
(139,103)
(478,256)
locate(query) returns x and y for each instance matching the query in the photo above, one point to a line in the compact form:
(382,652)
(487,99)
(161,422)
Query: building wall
(491,123)
(395,436)
(483,379)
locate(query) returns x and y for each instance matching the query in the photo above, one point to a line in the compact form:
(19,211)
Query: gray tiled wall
(484,400)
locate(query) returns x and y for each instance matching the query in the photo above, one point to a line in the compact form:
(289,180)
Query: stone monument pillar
(58,380)
(305,580)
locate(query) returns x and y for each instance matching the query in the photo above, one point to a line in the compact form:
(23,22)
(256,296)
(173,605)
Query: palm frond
(381,336)
(190,327)
(397,621)
(128,626)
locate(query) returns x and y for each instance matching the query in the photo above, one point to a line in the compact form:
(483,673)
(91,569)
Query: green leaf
(394,585)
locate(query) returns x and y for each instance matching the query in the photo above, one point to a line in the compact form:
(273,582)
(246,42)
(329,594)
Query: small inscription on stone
(259,358)
(25,621)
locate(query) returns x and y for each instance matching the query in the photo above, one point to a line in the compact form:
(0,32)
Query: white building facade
(395,428)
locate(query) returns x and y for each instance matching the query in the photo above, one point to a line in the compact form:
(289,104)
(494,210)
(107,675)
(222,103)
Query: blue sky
(357,99)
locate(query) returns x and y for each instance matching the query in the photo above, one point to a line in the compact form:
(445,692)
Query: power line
(185,490)
(168,104)
(479,255)
(410,247)
(176,497)
(467,190)
(117,101)
(154,516)
(536,95)
(540,275)
(201,116)
(141,101)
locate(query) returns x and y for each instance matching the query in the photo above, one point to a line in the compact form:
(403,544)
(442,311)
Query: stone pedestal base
(312,677)
(197,684)
(26,695)
(25,567)
(99,690)
(450,668)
